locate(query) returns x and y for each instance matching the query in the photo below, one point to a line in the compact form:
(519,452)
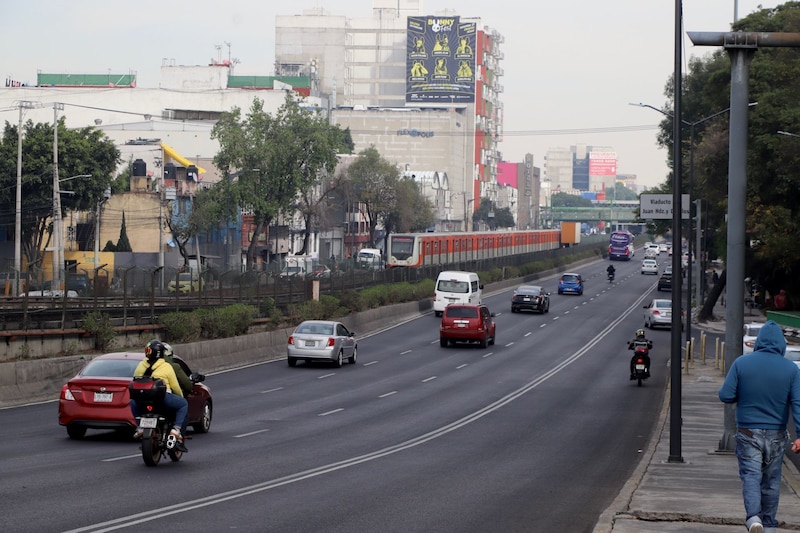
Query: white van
(369,259)
(453,286)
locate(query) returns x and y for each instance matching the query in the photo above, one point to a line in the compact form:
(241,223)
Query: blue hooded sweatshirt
(764,384)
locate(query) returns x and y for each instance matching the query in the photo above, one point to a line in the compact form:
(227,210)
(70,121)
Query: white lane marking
(327,375)
(326,413)
(530,332)
(488,354)
(556,318)
(509,344)
(407,351)
(387,394)
(566,312)
(543,325)
(434,342)
(429,379)
(271,390)
(124,457)
(574,307)
(370,363)
(250,434)
(459,367)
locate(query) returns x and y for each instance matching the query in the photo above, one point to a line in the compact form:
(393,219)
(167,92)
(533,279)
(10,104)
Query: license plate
(526,299)
(103,397)
(639,367)
(462,325)
(310,343)
(148,422)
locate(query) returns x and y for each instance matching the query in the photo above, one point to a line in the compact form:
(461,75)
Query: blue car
(570,283)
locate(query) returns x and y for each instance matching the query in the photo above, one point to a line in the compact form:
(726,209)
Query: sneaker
(175,432)
(756,527)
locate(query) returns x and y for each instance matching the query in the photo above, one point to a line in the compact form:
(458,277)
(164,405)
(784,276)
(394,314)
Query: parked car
(320,272)
(650,266)
(467,323)
(658,313)
(793,353)
(530,297)
(750,334)
(79,283)
(322,340)
(97,397)
(185,283)
(665,282)
(570,282)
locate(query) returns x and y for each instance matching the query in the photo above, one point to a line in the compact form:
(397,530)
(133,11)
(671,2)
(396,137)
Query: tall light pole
(58,261)
(23,105)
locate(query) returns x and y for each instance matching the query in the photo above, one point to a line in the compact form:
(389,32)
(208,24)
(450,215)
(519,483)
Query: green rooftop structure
(85,80)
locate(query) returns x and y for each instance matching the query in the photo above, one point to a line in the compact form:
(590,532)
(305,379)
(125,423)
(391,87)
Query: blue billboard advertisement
(440,61)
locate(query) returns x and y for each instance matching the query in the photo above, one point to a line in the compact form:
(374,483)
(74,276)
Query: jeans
(174,403)
(760,462)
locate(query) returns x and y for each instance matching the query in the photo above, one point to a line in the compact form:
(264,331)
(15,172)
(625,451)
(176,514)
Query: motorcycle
(156,420)
(611,277)
(640,362)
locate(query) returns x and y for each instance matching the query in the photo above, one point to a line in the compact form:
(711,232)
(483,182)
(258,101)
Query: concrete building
(580,168)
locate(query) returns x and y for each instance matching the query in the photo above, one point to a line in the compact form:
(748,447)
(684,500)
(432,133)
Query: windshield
(449,285)
(401,247)
(113,368)
(462,312)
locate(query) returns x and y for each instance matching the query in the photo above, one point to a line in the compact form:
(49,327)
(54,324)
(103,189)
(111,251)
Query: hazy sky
(571,66)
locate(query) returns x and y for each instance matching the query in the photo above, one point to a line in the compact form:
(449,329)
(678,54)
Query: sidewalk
(702,494)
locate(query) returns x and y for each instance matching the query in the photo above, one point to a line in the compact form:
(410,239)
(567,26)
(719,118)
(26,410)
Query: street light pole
(58,261)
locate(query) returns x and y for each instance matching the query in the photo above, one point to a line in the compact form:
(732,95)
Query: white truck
(369,259)
(298,265)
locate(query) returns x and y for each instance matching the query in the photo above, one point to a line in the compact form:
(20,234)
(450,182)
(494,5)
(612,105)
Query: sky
(571,67)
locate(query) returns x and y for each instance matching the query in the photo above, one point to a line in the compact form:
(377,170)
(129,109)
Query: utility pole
(58,261)
(23,105)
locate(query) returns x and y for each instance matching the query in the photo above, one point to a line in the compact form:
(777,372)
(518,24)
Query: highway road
(538,432)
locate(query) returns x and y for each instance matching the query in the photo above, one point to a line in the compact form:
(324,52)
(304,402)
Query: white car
(662,247)
(650,266)
(750,334)
(793,353)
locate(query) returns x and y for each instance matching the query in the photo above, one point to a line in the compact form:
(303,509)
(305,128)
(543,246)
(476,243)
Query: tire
(204,425)
(174,455)
(339,359)
(513,309)
(76,432)
(639,382)
(443,342)
(352,358)
(437,313)
(560,291)
(491,342)
(485,341)
(292,361)
(151,452)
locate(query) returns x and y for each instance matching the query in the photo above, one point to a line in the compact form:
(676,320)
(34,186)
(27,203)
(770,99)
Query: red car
(97,397)
(467,322)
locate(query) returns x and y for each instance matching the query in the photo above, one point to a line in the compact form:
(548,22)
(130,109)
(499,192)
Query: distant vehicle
(658,313)
(467,323)
(651,252)
(298,265)
(369,259)
(620,246)
(751,330)
(321,272)
(793,353)
(530,297)
(49,294)
(322,340)
(665,282)
(455,286)
(570,282)
(98,397)
(185,283)
(650,266)
(80,283)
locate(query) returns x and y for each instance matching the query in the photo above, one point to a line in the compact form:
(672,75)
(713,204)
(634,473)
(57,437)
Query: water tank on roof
(169,171)
(139,168)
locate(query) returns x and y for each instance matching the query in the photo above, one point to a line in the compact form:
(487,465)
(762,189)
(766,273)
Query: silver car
(322,340)
(658,313)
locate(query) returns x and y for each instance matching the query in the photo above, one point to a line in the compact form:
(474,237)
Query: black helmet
(154,350)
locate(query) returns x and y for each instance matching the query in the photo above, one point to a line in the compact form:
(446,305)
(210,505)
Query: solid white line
(387,394)
(271,390)
(459,367)
(370,363)
(327,375)
(330,412)
(429,379)
(250,434)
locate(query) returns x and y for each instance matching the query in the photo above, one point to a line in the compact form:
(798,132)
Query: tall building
(402,59)
(581,168)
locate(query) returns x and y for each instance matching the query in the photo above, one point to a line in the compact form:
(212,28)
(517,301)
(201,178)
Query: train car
(418,249)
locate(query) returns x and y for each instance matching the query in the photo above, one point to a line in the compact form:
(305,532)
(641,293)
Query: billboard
(440,61)
(602,163)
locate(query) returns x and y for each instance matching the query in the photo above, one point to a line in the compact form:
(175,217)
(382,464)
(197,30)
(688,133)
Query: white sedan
(650,266)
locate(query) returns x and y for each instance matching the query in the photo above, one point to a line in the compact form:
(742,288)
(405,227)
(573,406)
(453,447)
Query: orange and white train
(419,249)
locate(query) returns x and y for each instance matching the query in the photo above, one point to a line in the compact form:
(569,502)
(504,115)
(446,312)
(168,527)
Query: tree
(123,244)
(84,151)
(278,157)
(372,183)
(500,217)
(413,212)
(562,199)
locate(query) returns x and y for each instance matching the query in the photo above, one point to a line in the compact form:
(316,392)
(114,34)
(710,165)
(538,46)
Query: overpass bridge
(622,212)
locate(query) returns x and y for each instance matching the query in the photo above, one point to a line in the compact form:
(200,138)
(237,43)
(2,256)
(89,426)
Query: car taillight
(66,394)
(656,312)
(331,341)
(291,339)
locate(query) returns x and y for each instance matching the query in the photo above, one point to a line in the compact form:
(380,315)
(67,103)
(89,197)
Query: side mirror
(197,377)
(352,333)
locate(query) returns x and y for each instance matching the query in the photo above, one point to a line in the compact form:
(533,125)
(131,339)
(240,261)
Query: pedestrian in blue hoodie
(765,386)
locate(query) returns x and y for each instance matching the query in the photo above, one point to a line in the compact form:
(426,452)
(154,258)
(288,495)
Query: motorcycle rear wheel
(151,449)
(175,455)
(639,382)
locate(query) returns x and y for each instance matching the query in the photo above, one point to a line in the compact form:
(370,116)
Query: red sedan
(97,397)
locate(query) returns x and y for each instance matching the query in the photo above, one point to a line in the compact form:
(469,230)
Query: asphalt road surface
(538,432)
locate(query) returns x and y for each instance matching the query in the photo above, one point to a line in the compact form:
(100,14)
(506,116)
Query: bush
(98,324)
(181,327)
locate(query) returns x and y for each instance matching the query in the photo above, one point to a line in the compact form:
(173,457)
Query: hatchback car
(322,340)
(97,397)
(467,323)
(650,266)
(570,282)
(530,297)
(665,282)
(750,334)
(658,313)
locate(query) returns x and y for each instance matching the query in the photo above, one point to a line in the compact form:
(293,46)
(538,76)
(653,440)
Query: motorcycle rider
(611,271)
(640,341)
(186,383)
(174,400)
